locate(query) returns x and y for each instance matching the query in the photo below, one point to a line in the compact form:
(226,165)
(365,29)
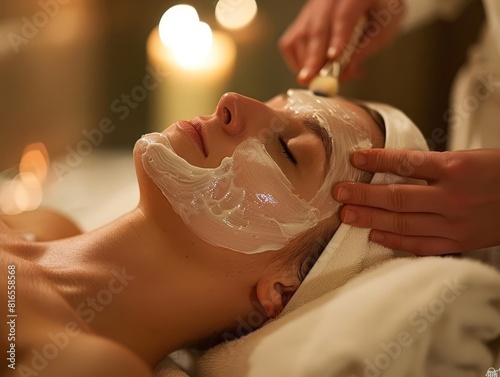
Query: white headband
(350,251)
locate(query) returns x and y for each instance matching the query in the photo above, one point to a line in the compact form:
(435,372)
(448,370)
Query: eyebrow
(312,125)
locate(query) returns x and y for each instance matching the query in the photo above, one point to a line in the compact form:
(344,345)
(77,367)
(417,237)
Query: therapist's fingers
(420,245)
(293,42)
(383,19)
(296,55)
(392,197)
(319,29)
(316,50)
(406,163)
(291,58)
(461,201)
(382,27)
(418,233)
(405,224)
(303,44)
(346,18)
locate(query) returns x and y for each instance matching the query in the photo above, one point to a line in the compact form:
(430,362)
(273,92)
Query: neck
(137,285)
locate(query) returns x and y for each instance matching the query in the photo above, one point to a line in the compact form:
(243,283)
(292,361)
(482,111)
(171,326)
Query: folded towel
(405,317)
(169,368)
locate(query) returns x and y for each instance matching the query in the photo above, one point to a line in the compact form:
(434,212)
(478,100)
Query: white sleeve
(422,11)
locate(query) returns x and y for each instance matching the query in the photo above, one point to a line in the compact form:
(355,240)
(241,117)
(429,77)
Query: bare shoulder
(89,355)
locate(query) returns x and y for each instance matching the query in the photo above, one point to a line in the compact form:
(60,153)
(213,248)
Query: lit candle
(195,65)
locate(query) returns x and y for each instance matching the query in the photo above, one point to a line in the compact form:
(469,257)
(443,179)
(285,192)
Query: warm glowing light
(27,198)
(235,14)
(34,162)
(24,192)
(7,205)
(189,40)
(16,197)
(194,47)
(175,21)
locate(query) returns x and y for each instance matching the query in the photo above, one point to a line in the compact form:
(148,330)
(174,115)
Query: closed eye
(289,155)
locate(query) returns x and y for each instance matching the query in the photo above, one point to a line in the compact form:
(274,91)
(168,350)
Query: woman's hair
(305,249)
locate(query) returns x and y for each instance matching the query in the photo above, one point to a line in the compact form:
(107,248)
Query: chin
(150,196)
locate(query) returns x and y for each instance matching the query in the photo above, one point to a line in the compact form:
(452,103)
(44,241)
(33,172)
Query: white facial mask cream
(247,204)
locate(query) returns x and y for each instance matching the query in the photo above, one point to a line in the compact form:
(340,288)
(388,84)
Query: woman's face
(206,140)
(294,147)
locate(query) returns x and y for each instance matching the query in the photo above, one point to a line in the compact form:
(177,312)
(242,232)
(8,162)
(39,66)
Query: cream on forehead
(247,204)
(329,113)
(345,129)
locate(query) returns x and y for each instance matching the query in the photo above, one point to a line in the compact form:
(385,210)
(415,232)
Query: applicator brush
(326,83)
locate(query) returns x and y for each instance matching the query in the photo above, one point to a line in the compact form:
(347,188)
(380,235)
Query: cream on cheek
(246,204)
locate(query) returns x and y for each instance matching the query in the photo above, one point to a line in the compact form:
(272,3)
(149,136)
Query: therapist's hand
(324,28)
(458,211)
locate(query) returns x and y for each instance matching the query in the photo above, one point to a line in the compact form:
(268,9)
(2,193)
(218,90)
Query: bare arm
(88,356)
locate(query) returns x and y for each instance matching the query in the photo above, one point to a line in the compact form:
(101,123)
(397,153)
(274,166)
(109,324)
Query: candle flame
(189,39)
(35,161)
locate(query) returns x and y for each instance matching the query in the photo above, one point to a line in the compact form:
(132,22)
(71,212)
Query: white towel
(169,367)
(434,316)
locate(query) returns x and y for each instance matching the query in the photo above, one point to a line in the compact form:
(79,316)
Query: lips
(195,130)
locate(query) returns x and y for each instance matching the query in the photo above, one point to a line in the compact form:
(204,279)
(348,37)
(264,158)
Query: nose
(234,112)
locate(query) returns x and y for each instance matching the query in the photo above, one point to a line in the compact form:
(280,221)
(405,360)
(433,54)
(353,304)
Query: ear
(274,292)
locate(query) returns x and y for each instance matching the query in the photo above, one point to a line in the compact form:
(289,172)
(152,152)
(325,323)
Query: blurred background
(82,80)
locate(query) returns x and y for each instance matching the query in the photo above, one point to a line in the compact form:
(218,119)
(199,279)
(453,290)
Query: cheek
(243,205)
(184,147)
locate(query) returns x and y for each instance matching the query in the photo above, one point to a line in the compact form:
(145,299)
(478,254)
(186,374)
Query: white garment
(476,92)
(418,12)
(475,100)
(474,114)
